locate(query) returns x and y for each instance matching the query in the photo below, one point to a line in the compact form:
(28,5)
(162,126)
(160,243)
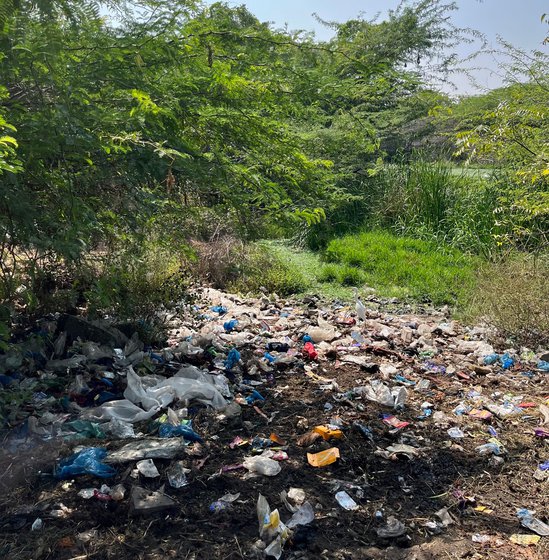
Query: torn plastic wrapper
(323,458)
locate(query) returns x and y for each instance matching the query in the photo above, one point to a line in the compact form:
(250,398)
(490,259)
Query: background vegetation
(138,147)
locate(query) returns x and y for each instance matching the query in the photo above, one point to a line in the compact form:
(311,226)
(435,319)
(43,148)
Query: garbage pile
(364,430)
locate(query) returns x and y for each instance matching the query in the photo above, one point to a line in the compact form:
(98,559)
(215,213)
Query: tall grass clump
(430,200)
(228,263)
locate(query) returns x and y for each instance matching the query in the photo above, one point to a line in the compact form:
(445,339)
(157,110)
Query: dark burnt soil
(412,490)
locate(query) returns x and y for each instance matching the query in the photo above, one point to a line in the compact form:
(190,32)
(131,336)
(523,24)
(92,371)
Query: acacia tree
(515,134)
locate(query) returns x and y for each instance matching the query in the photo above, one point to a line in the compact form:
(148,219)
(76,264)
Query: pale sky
(517,21)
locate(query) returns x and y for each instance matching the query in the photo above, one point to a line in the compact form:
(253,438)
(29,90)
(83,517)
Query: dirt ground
(446,474)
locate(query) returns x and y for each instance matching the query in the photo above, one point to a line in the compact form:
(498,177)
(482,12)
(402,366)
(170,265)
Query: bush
(228,263)
(136,282)
(513,295)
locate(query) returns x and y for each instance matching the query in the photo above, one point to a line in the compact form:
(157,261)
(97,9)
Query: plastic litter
(303,516)
(147,468)
(525,540)
(402,449)
(392,529)
(530,522)
(493,447)
(277,347)
(327,433)
(168,430)
(293,499)
(120,429)
(219,309)
(323,458)
(154,393)
(262,465)
(456,433)
(380,393)
(177,475)
(37,525)
(146,449)
(481,539)
(359,307)
(394,422)
(309,351)
(271,529)
(345,501)
(230,326)
(233,358)
(87,461)
(543,365)
(224,503)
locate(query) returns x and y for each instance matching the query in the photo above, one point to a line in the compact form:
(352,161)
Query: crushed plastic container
(530,522)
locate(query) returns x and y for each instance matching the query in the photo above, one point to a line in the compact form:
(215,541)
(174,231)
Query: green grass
(393,266)
(402,267)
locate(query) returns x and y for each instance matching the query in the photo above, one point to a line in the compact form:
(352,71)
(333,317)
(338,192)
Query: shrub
(228,263)
(513,295)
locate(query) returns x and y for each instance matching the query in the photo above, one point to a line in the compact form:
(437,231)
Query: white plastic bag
(262,465)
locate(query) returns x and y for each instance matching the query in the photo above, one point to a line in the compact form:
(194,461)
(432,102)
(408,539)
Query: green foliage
(402,267)
(264,269)
(345,275)
(515,133)
(135,283)
(228,263)
(433,200)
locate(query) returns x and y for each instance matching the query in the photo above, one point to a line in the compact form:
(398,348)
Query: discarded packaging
(525,540)
(147,449)
(147,468)
(323,458)
(345,501)
(530,522)
(262,465)
(392,529)
(87,461)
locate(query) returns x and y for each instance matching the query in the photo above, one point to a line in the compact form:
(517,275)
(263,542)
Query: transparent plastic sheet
(154,393)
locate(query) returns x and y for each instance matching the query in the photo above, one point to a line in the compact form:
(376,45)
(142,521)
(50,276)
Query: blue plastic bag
(230,326)
(544,366)
(254,397)
(269,357)
(169,430)
(506,361)
(232,359)
(219,309)
(87,461)
(491,359)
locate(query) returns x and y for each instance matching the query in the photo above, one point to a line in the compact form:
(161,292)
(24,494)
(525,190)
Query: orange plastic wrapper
(324,458)
(327,433)
(276,439)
